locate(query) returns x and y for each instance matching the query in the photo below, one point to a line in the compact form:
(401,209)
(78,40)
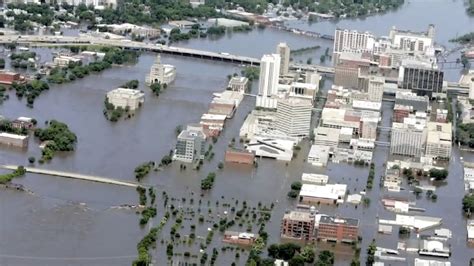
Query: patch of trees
(466,38)
(132,84)
(7,126)
(438,174)
(468,204)
(295,188)
(143,169)
(465,134)
(7,178)
(295,255)
(252,73)
(208,182)
(156,88)
(30,90)
(59,138)
(371,176)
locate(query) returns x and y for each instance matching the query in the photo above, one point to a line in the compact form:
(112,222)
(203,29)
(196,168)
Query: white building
(268,83)
(319,155)
(329,193)
(470,231)
(64,61)
(293,117)
(161,73)
(284,51)
(279,149)
(314,178)
(407,139)
(124,98)
(239,84)
(423,262)
(375,88)
(369,128)
(98,4)
(326,136)
(190,146)
(304,90)
(353,41)
(439,140)
(412,41)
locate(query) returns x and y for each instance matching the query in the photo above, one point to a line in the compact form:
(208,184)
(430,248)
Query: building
(293,117)
(280,149)
(268,83)
(423,262)
(400,112)
(339,118)
(326,136)
(304,90)
(8,78)
(369,128)
(212,124)
(439,140)
(319,155)
(284,51)
(64,61)
(126,98)
(375,88)
(161,73)
(239,84)
(23,122)
(13,140)
(434,248)
(337,229)
(97,4)
(328,194)
(416,103)
(190,146)
(470,231)
(421,78)
(239,238)
(314,179)
(298,225)
(352,41)
(407,140)
(418,42)
(239,156)
(392,180)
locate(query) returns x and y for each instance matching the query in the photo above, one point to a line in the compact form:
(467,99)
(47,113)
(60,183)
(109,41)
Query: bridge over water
(50,40)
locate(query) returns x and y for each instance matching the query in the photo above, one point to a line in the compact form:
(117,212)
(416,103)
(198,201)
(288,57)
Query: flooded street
(70,222)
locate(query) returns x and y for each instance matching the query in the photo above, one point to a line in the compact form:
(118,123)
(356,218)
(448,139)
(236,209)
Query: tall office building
(190,145)
(407,140)
(421,78)
(439,140)
(284,51)
(375,88)
(268,83)
(294,116)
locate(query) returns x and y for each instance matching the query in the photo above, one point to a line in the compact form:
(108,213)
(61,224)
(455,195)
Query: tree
(31,160)
(296,185)
(220,165)
(308,254)
(468,204)
(292,194)
(325,257)
(297,260)
(438,174)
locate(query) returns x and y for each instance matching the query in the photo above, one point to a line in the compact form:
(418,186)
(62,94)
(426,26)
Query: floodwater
(68,222)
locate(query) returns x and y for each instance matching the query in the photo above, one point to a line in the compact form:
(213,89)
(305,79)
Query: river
(68,222)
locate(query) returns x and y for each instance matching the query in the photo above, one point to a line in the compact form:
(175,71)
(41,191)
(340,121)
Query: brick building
(337,229)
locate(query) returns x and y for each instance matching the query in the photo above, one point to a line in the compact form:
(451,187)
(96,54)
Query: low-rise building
(239,238)
(318,179)
(319,155)
(126,98)
(423,262)
(298,225)
(328,193)
(337,229)
(161,73)
(240,84)
(190,146)
(64,60)
(23,122)
(326,136)
(392,180)
(8,78)
(434,248)
(212,124)
(14,140)
(439,140)
(280,149)
(470,231)
(239,156)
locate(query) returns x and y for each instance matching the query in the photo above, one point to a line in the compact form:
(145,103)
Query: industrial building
(126,98)
(326,194)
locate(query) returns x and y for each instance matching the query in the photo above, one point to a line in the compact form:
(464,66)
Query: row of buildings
(191,141)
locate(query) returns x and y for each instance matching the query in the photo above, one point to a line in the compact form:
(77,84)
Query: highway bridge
(98,179)
(50,40)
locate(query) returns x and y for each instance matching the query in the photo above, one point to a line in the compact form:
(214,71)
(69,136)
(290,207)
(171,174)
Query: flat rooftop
(338,220)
